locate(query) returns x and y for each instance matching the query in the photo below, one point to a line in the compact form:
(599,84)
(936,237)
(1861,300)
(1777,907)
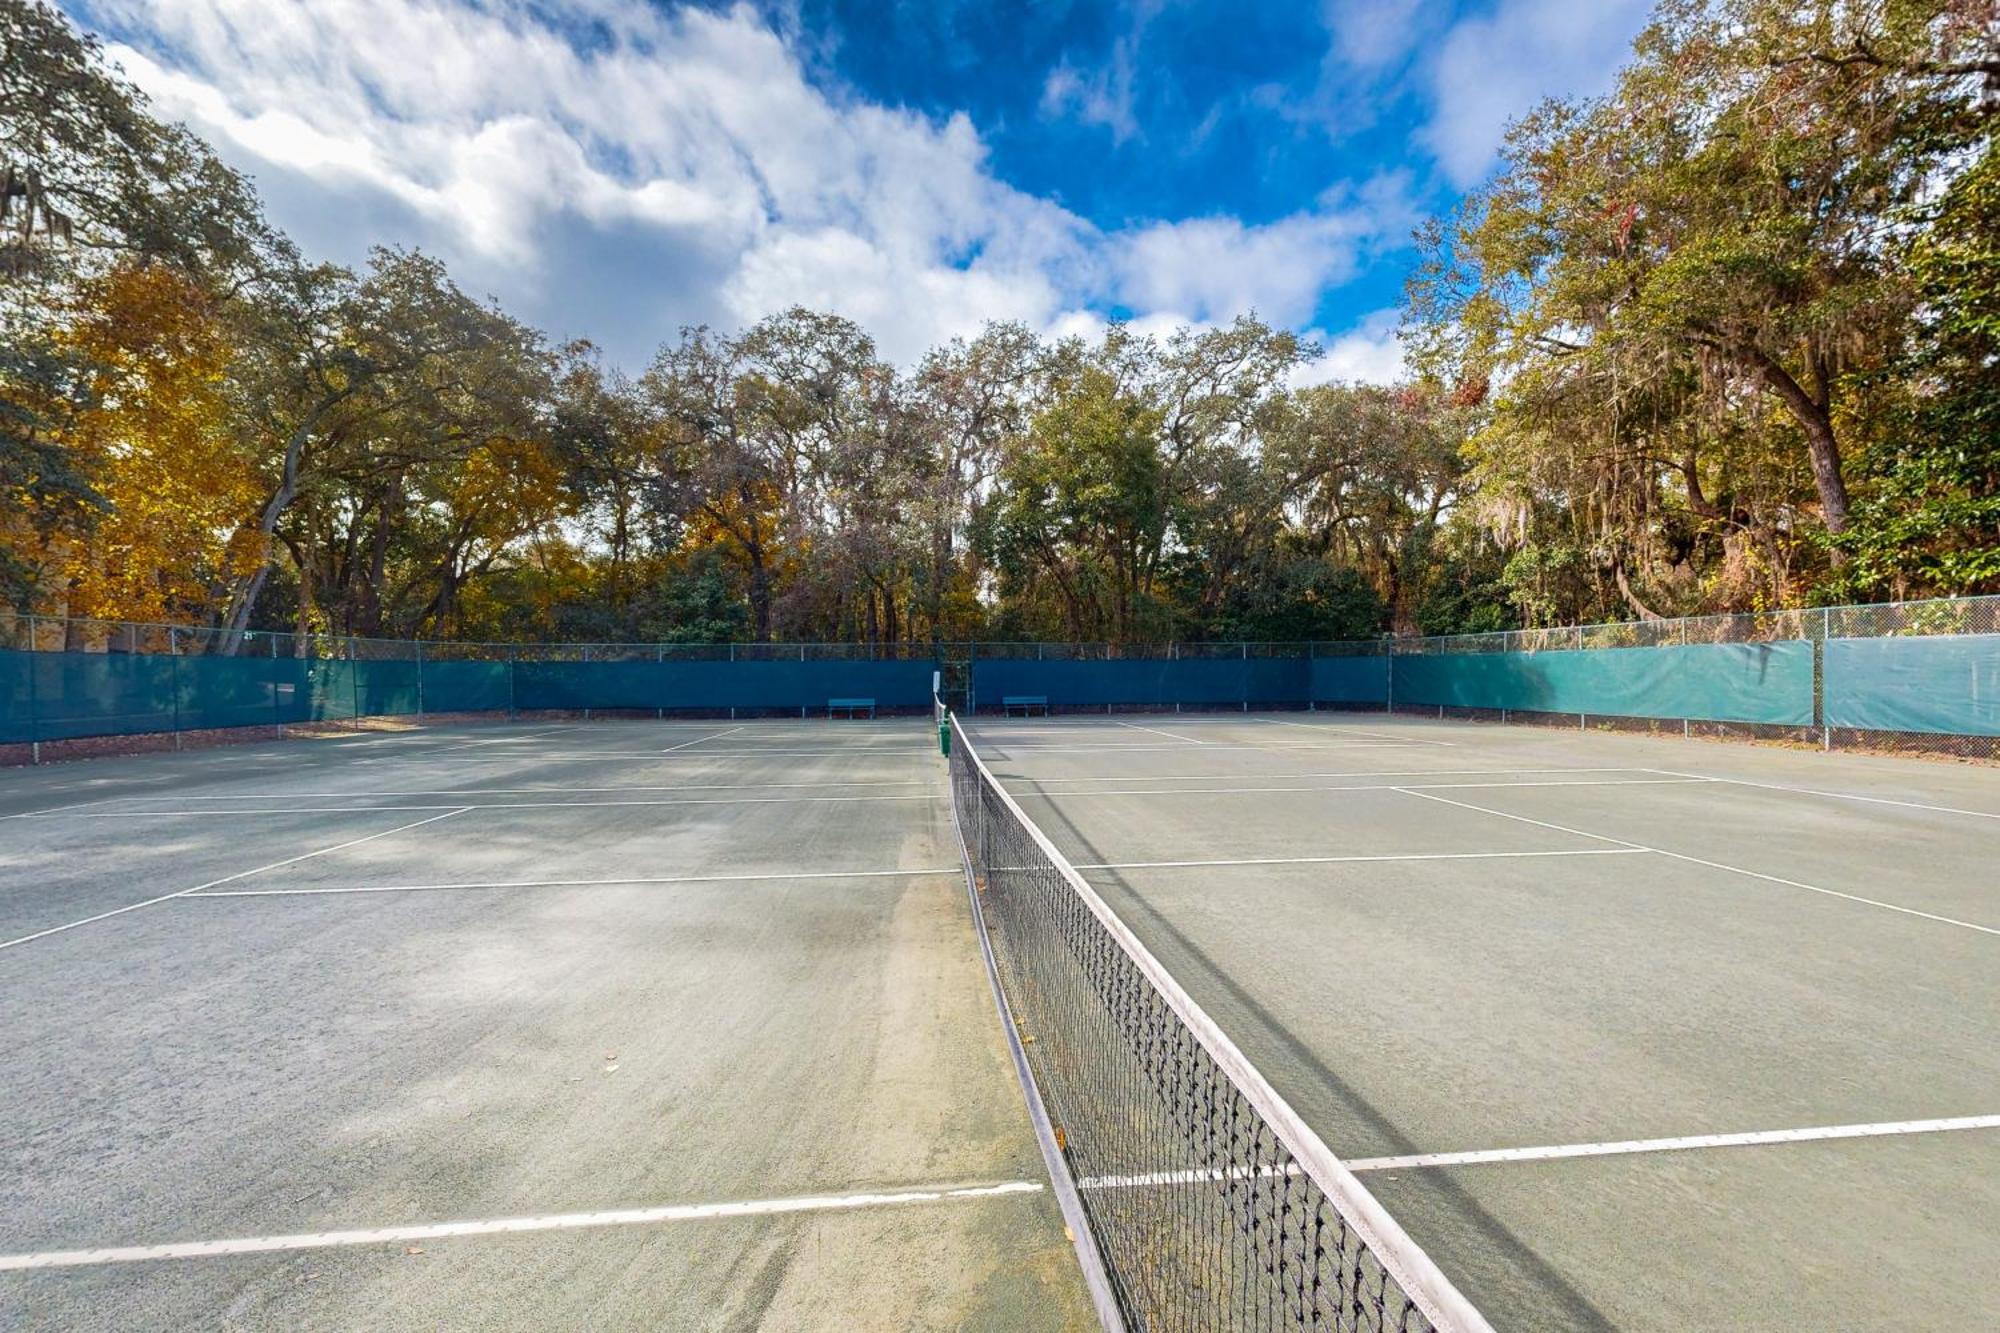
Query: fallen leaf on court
(611,1069)
(414,1249)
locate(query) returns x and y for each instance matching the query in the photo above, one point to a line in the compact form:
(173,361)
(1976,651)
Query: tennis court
(647,1023)
(1624,1032)
(607,1025)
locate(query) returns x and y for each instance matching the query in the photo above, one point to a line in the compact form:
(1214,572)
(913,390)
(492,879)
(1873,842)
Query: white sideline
(227,879)
(1333,860)
(575,883)
(712,736)
(1712,865)
(484,805)
(618,1217)
(1558,1152)
(1839,795)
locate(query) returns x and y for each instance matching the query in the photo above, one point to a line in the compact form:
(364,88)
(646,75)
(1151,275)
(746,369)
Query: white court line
(1013,749)
(1379,786)
(520,791)
(76,805)
(1134,726)
(508,740)
(1754,1138)
(228,879)
(601,756)
(1714,865)
(619,1217)
(1558,1152)
(1331,860)
(575,883)
(1352,731)
(477,805)
(1840,795)
(717,735)
(1288,777)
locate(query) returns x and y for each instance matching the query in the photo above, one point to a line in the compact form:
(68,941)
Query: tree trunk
(1816,420)
(248,590)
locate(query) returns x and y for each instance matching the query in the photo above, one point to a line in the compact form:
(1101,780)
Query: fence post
(659,658)
(1819,670)
(34,694)
(420,682)
(174,656)
(586,658)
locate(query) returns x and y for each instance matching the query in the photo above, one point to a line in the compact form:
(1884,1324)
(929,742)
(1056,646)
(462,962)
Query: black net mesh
(1204,1214)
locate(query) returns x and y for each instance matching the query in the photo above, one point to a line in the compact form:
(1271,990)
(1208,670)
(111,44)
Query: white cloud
(1369,353)
(1496,67)
(1103,97)
(1213,268)
(690,146)
(1371,34)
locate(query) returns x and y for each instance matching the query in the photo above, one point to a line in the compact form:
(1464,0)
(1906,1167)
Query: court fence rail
(1904,675)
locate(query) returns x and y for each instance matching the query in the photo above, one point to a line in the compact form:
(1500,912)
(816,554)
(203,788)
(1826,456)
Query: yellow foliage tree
(157,442)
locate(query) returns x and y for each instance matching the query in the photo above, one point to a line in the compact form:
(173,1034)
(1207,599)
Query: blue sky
(619,168)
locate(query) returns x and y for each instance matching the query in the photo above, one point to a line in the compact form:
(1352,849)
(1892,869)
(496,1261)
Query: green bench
(850,707)
(1025,702)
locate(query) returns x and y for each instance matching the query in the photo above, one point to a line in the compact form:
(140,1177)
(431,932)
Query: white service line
(508,740)
(1013,749)
(1558,1152)
(520,791)
(953,871)
(482,805)
(1373,786)
(619,1217)
(1332,860)
(1754,1138)
(1712,865)
(602,756)
(715,735)
(75,805)
(1298,777)
(1839,795)
(1134,726)
(1353,731)
(229,879)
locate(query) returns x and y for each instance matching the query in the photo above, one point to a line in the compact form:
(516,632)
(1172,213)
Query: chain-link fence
(1871,688)
(1903,676)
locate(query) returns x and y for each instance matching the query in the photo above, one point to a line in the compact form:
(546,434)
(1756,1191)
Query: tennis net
(1210,1204)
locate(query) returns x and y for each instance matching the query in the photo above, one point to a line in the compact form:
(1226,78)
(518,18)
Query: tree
(1700,276)
(344,381)
(1084,504)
